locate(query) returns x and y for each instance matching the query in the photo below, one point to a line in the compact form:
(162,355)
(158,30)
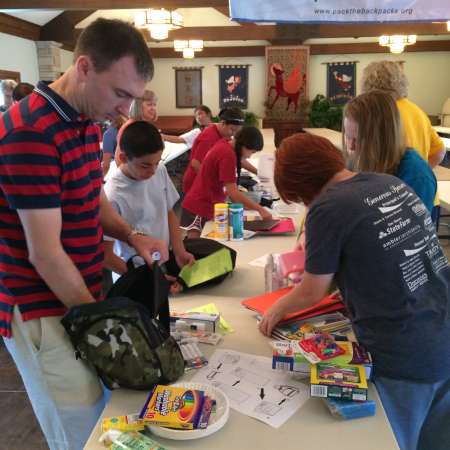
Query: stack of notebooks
(261,303)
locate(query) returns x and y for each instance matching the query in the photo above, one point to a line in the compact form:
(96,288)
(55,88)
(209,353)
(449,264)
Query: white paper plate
(216,421)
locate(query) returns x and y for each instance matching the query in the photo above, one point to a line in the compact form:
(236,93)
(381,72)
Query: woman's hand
(272,316)
(265,215)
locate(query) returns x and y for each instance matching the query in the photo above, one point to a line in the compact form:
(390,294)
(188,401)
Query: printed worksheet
(252,387)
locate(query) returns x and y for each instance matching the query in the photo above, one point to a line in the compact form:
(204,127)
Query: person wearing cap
(231,121)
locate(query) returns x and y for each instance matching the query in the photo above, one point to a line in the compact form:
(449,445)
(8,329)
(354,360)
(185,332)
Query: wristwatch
(135,232)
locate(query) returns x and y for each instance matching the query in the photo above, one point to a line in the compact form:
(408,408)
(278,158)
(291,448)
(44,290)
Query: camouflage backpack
(127,347)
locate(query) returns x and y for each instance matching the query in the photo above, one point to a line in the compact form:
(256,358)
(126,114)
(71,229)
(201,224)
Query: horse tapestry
(341,82)
(287,78)
(233,86)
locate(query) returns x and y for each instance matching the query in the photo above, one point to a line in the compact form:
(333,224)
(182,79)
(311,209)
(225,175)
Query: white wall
(66,59)
(428,74)
(19,55)
(163,83)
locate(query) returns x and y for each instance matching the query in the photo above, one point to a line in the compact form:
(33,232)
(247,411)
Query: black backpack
(146,286)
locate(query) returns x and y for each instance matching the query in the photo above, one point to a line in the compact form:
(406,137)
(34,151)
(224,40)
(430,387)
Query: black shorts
(190,221)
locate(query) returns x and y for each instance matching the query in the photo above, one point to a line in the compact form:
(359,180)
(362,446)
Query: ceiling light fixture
(188,47)
(159,22)
(397,42)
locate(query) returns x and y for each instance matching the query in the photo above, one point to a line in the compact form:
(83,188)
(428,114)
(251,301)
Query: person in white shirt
(202,118)
(141,192)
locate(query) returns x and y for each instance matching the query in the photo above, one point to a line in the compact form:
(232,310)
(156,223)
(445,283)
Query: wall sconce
(397,42)
(158,21)
(448,25)
(188,47)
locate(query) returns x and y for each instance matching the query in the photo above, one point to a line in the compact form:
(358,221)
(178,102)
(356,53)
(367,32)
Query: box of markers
(339,381)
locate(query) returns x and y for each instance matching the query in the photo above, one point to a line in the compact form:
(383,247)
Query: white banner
(316,11)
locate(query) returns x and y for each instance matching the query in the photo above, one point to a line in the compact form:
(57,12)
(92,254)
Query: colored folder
(262,303)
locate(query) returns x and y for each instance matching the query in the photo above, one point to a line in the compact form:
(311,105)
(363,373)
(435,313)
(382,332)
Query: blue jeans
(419,413)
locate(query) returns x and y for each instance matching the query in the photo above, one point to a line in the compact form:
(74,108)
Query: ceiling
(222,34)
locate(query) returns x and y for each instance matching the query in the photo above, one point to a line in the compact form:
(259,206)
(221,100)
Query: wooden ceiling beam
(315,49)
(211,52)
(110,4)
(18,27)
(61,28)
(374,47)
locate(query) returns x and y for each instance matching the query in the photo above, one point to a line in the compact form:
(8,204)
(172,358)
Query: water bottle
(236,221)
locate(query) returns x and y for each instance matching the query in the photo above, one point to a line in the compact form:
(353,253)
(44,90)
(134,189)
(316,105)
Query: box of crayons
(339,381)
(177,407)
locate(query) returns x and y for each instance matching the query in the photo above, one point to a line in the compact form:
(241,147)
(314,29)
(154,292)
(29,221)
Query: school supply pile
(288,355)
(338,370)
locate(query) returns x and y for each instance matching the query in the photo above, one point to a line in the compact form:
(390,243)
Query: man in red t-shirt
(231,120)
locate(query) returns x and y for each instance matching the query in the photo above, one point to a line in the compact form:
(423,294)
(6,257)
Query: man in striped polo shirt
(52,216)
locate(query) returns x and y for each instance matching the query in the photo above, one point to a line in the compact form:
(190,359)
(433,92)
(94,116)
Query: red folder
(262,303)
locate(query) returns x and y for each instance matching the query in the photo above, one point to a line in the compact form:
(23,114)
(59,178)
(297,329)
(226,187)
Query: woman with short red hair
(373,235)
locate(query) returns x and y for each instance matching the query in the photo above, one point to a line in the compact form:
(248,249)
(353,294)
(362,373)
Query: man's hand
(184,258)
(145,246)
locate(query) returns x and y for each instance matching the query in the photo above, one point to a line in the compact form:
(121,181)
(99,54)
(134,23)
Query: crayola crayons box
(340,381)
(173,407)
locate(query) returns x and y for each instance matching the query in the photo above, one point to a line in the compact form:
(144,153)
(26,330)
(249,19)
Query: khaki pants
(66,394)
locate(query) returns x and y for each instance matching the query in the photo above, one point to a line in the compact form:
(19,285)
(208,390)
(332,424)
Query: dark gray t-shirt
(375,234)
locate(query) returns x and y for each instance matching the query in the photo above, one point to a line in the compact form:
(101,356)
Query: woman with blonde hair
(144,108)
(373,142)
(390,77)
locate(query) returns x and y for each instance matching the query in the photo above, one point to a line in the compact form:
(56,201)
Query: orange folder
(261,303)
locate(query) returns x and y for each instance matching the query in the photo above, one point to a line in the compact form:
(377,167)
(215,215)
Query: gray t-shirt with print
(375,234)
